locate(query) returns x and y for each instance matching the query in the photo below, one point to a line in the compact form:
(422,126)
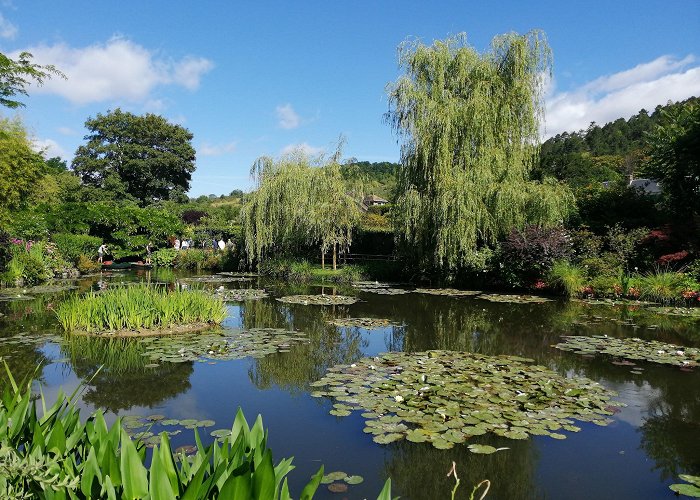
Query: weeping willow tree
(299,202)
(469,125)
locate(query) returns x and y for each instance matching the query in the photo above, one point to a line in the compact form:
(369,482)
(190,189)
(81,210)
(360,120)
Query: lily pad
(240,294)
(445,397)
(337,487)
(366,323)
(448,292)
(632,349)
(318,300)
(514,299)
(484,449)
(354,479)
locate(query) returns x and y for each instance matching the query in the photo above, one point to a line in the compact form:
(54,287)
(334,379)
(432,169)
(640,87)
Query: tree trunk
(323,259)
(334,257)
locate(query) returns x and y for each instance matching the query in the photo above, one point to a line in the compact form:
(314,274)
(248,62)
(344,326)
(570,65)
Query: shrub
(662,286)
(190,259)
(86,265)
(286,269)
(623,243)
(527,255)
(568,277)
(72,246)
(606,286)
(164,257)
(606,264)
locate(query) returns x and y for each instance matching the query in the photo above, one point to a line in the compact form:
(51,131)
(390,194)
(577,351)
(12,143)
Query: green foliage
(567,276)
(16,76)
(20,165)
(165,257)
(190,259)
(364,178)
(662,286)
(145,157)
(86,265)
(599,208)
(299,202)
(674,157)
(31,264)
(56,455)
(470,123)
(135,307)
(623,243)
(73,246)
(286,269)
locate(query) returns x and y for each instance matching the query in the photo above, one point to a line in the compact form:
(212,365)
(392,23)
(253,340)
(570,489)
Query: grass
(115,354)
(662,286)
(568,276)
(138,307)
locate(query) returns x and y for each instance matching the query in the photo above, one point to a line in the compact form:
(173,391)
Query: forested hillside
(602,153)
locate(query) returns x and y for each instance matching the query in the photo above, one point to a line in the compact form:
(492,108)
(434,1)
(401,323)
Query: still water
(655,437)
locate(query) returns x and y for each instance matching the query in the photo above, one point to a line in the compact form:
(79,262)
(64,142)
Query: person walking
(101,252)
(148,254)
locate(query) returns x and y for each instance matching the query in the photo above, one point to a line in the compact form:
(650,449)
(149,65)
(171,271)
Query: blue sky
(262,77)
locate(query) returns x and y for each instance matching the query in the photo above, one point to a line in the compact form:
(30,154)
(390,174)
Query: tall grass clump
(662,286)
(49,452)
(567,276)
(138,307)
(286,269)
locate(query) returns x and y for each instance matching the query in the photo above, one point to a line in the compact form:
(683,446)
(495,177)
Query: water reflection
(662,417)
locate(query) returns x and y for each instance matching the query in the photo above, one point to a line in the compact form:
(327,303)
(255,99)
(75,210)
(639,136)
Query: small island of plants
(140,310)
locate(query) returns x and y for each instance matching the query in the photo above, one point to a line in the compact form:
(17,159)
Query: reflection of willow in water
(671,433)
(123,381)
(304,363)
(419,471)
(32,320)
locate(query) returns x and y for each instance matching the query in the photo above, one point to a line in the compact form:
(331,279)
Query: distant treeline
(601,153)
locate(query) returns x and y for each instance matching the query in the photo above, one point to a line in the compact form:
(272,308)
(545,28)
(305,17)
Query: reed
(138,307)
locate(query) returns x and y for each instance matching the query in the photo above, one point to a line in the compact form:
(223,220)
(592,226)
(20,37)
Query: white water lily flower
(680,353)
(398,399)
(372,367)
(353,365)
(660,352)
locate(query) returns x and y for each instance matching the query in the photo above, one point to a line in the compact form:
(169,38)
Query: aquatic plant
(633,349)
(691,487)
(48,452)
(138,307)
(662,286)
(569,277)
(447,397)
(318,300)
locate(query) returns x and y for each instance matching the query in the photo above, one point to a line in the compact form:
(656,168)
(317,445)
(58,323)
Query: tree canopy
(674,157)
(15,76)
(20,166)
(470,128)
(142,157)
(299,201)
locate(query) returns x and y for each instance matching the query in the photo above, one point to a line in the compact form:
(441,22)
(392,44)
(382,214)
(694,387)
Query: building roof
(373,198)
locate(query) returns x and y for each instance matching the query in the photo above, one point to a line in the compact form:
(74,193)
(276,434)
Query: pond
(641,450)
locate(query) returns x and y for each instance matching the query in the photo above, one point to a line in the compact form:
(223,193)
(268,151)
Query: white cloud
(304,148)
(7,29)
(117,70)
(288,118)
(207,149)
(622,94)
(49,147)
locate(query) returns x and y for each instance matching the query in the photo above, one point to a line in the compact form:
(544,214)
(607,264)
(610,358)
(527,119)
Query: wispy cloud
(117,70)
(7,29)
(304,148)
(207,149)
(622,94)
(49,147)
(287,117)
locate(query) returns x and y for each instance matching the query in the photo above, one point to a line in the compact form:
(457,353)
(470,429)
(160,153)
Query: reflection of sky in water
(598,462)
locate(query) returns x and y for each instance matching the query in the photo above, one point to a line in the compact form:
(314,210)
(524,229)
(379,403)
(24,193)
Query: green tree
(299,202)
(15,76)
(20,167)
(144,157)
(674,157)
(470,129)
